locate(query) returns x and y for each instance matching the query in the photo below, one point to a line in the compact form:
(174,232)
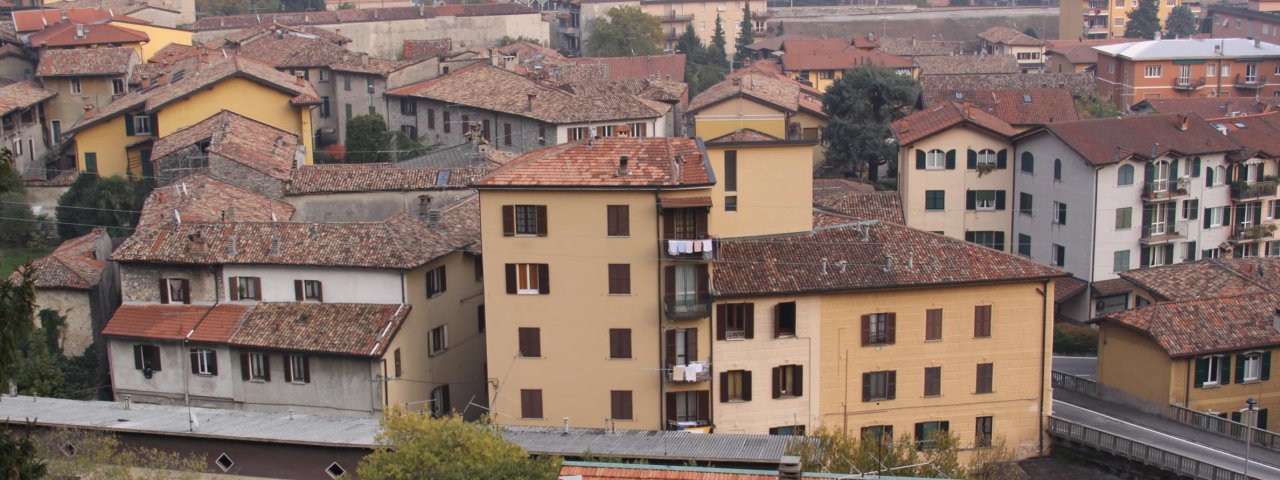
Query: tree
(9,179)
(112,202)
(627,31)
(701,69)
(17,308)
(18,226)
(38,373)
(1181,23)
(746,36)
(860,106)
(1144,21)
(716,53)
(1096,106)
(369,141)
(829,450)
(18,457)
(99,454)
(1031,32)
(413,446)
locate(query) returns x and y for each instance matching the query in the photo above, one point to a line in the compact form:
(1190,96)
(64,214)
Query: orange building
(1129,73)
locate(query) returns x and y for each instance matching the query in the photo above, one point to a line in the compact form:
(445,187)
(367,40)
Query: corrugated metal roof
(1200,48)
(651,444)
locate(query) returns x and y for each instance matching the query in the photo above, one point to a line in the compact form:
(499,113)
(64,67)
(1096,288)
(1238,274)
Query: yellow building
(762,100)
(116,140)
(1002,40)
(819,62)
(159,36)
(954,175)
(1094,19)
(675,15)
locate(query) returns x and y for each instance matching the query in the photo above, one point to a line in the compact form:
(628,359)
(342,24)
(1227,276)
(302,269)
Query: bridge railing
(1140,452)
(1074,383)
(1262,438)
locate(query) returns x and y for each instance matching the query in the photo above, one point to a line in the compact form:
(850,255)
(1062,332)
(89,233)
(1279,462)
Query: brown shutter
(164,291)
(611,221)
(535,342)
(234,282)
(704,281)
(866,330)
(443,279)
(266,367)
(195,360)
(891,329)
(544,279)
(746,385)
(750,315)
(668,224)
(320,291)
(137,357)
(244,365)
(724,387)
(700,224)
(508,220)
(615,404)
(186,291)
(691,344)
(671,409)
(797,386)
(306,370)
(257,288)
(155,358)
(288,368)
(624,338)
(542,220)
(777,382)
(721,311)
(671,348)
(933,324)
(669,284)
(891,386)
(624,221)
(704,406)
(866,387)
(511,278)
(298,290)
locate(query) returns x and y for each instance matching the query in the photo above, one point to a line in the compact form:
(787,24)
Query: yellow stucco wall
(245,97)
(160,37)
(1019,349)
(737,113)
(773,197)
(108,142)
(1130,362)
(954,221)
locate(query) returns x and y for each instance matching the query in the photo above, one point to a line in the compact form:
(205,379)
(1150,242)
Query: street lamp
(1251,406)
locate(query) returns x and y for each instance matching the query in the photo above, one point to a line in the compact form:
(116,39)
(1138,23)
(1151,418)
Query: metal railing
(1188,83)
(1265,188)
(1256,81)
(1161,232)
(701,372)
(687,308)
(1160,189)
(1261,438)
(1140,452)
(670,17)
(1074,383)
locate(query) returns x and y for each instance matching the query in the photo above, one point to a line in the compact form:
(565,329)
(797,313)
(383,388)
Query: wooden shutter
(1202,371)
(668,223)
(866,330)
(164,291)
(972,163)
(777,382)
(722,311)
(257,288)
(213,362)
(671,409)
(443,279)
(669,284)
(298,291)
(746,386)
(920,159)
(619,278)
(671,348)
(797,380)
(244,365)
(320,291)
(542,220)
(1266,366)
(1224,370)
(511,278)
(185,286)
(866,387)
(288,368)
(195,361)
(704,406)
(611,221)
(933,324)
(1002,159)
(306,370)
(700,224)
(970,200)
(691,344)
(544,279)
(1000,197)
(951,159)
(891,385)
(703,280)
(984,378)
(266,367)
(724,387)
(1240,359)
(128,125)
(749,314)
(890,327)
(153,352)
(137,357)
(234,284)
(531,403)
(508,220)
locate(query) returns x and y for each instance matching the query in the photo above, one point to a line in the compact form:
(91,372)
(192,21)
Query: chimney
(906,125)
(81,31)
(61,14)
(433,219)
(529,107)
(968,108)
(146,82)
(622,166)
(789,468)
(275,246)
(195,243)
(364,59)
(1257,43)
(737,81)
(300,81)
(1183,122)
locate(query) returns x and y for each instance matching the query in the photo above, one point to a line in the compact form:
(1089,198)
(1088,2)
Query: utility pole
(1251,406)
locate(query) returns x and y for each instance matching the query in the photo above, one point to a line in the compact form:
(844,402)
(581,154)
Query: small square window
(224,462)
(335,470)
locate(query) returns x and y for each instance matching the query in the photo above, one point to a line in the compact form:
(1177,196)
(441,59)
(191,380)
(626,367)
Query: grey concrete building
(359,88)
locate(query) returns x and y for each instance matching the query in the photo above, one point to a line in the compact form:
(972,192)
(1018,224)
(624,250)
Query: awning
(684,202)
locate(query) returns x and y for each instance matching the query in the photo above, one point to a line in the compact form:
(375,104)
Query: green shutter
(128,125)
(1202,367)
(1224,370)
(1266,365)
(1262,419)
(91,162)
(155,126)
(1239,368)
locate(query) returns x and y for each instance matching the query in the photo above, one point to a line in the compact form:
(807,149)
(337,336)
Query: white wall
(339,285)
(655,127)
(1075,190)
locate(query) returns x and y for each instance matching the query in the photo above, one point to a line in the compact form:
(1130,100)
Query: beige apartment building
(1094,19)
(675,15)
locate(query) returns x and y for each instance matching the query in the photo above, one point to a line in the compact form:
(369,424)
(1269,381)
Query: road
(1085,367)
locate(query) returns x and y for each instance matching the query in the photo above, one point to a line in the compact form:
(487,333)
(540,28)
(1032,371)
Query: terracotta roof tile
(63,179)
(1114,286)
(652,162)
(376,177)
(1046,105)
(1210,325)
(968,65)
(1208,278)
(892,256)
(1212,107)
(823,187)
(35,20)
(173,52)
(358,329)
(666,67)
(1109,140)
(400,242)
(650,472)
(73,265)
(1080,84)
(823,218)
(79,62)
(484,86)
(251,143)
(910,47)
(175,322)
(1080,51)
(1257,135)
(773,89)
(838,56)
(1067,287)
(934,119)
(198,198)
(10,49)
(359,15)
(68,34)
(420,49)
(282,47)
(1004,35)
(22,95)
(370,65)
(882,206)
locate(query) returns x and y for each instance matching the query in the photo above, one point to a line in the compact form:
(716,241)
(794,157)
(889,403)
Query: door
(1251,73)
(1184,74)
(1160,182)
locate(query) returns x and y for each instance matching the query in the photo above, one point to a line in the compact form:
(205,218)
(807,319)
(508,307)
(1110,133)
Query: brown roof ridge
(1221,265)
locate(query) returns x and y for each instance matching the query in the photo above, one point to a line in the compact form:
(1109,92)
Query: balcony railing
(1160,233)
(1249,231)
(687,307)
(690,372)
(1250,82)
(676,18)
(1188,83)
(1163,189)
(678,249)
(1244,191)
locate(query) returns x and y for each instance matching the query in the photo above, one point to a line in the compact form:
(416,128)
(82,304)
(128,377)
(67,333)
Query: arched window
(1125,176)
(1057,169)
(1028,162)
(1208,177)
(987,157)
(937,159)
(1220,175)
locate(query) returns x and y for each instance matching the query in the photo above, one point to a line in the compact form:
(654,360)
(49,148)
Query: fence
(1261,438)
(1140,452)
(1074,383)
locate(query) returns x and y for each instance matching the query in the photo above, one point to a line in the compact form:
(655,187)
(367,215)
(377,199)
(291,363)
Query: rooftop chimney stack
(1183,122)
(530,104)
(80,31)
(789,468)
(622,166)
(433,219)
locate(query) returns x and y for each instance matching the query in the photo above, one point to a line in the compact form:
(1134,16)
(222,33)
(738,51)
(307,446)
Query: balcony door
(1251,73)
(1159,220)
(1160,177)
(686,289)
(1184,74)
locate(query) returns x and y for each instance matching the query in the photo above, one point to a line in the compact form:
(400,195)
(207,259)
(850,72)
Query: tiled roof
(420,49)
(73,265)
(80,62)
(175,322)
(261,147)
(67,34)
(1208,278)
(63,179)
(1114,286)
(744,135)
(1067,287)
(1109,140)
(659,472)
(666,67)
(1045,105)
(892,256)
(1256,135)
(968,65)
(937,118)
(823,187)
(651,162)
(658,95)
(22,95)
(824,218)
(120,7)
(173,52)
(10,49)
(910,47)
(1080,84)
(1204,326)
(359,15)
(374,177)
(1001,34)
(844,59)
(198,198)
(1079,51)
(33,20)
(282,47)
(484,86)
(400,242)
(772,89)
(370,65)
(882,206)
(1211,107)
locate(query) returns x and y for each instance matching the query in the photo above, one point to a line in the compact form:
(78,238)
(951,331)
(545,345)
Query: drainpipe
(1044,336)
(662,384)
(1186,400)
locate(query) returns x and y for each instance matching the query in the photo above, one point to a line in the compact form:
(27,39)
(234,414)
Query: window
(369,85)
(620,405)
(987,157)
(1028,162)
(1057,170)
(324,107)
(56,127)
(1124,176)
(731,203)
(935,200)
(1124,218)
(530,403)
(982,321)
(619,279)
(579,133)
(530,342)
(1024,245)
(408,106)
(506,133)
(877,386)
(984,377)
(990,239)
(255,366)
(788,381)
(1059,256)
(347,110)
(1025,203)
(524,220)
(784,318)
(787,430)
(1119,22)
(204,361)
(1189,251)
(1212,371)
(225,462)
(439,339)
(1059,213)
(933,325)
(439,401)
(141,124)
(447,126)
(75,86)
(117,86)
(1214,217)
(878,433)
(731,170)
(735,386)
(304,290)
(297,369)
(619,343)
(927,432)
(687,409)
(1120,261)
(91,162)
(932,381)
(1226,69)
(985,199)
(372,110)
(935,160)
(346,82)
(542,134)
(436,281)
(1250,367)
(1191,209)
(1211,70)
(879,329)
(246,288)
(826,74)
(175,290)
(982,434)
(619,220)
(736,320)
(410,131)
(335,470)
(146,358)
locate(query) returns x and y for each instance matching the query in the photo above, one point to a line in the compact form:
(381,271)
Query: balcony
(695,250)
(1160,233)
(1249,232)
(673,17)
(691,307)
(1187,84)
(1244,191)
(1164,189)
(692,372)
(673,36)
(1250,82)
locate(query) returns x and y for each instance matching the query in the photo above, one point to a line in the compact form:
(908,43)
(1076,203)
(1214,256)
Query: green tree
(17,308)
(9,178)
(1031,32)
(1144,21)
(746,36)
(38,372)
(1096,106)
(102,455)
(1181,23)
(716,53)
(829,450)
(627,31)
(18,226)
(112,202)
(701,69)
(860,106)
(413,446)
(369,141)
(780,29)
(18,455)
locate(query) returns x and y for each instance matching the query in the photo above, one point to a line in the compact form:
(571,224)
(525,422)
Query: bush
(1071,339)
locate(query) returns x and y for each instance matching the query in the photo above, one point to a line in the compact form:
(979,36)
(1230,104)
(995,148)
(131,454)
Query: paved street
(1085,367)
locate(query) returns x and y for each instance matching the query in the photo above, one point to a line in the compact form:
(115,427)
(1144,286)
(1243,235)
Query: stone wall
(244,177)
(363,206)
(140,283)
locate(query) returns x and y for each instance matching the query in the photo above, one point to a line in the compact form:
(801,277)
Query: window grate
(224,462)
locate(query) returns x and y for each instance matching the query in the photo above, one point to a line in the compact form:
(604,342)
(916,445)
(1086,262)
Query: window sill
(531,358)
(984,393)
(1251,382)
(295,382)
(207,375)
(788,397)
(936,340)
(257,380)
(785,336)
(988,337)
(619,295)
(737,400)
(877,400)
(535,292)
(620,358)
